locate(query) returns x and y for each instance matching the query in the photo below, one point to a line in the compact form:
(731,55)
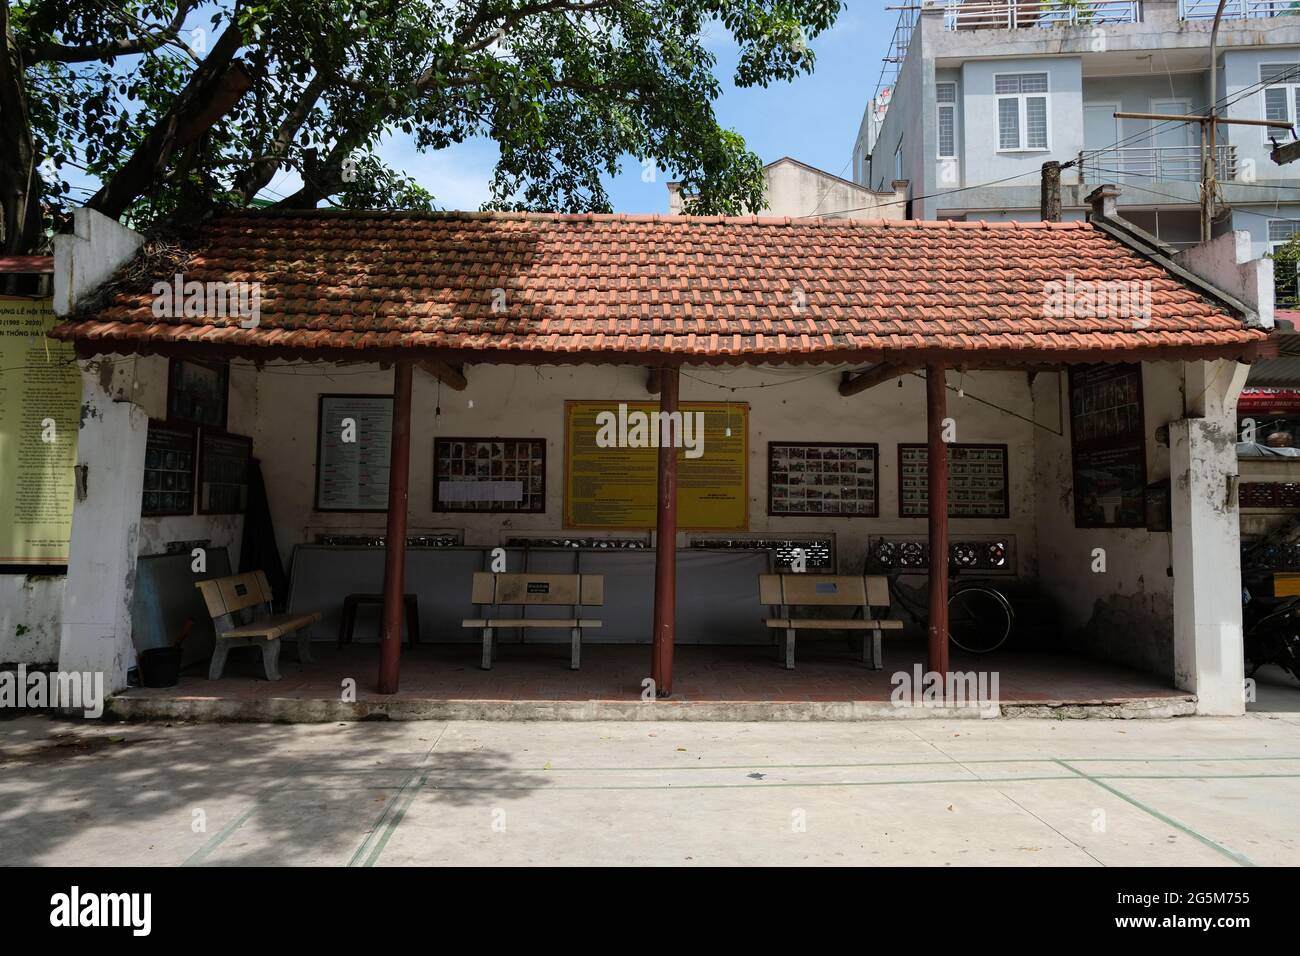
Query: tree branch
(212,89)
(256,177)
(19,188)
(64,53)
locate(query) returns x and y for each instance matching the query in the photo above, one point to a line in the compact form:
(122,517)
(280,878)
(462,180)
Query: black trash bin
(160,667)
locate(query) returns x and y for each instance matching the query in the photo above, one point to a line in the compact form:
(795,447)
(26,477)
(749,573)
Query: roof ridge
(750,220)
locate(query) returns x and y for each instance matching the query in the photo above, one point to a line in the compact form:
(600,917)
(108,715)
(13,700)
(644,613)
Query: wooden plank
(592,590)
(829,624)
(240,591)
(877,590)
(769,589)
(264,586)
(824,589)
(484,588)
(539,589)
(212,597)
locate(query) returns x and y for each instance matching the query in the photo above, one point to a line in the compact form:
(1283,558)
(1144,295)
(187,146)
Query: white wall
(982,161)
(1126,613)
(29,618)
(1241,72)
(795,404)
(796,190)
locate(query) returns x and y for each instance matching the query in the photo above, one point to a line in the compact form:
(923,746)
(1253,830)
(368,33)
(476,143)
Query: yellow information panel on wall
(40,401)
(611,469)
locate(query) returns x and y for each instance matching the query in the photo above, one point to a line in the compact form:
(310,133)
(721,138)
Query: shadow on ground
(309,791)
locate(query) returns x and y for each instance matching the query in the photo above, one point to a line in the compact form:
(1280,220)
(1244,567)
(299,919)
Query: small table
(349,619)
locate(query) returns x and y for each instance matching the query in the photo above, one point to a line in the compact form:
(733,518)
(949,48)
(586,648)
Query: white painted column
(1206,540)
(96,628)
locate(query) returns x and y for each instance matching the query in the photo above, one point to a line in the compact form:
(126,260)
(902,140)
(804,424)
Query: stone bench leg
(487,649)
(219,652)
(575,651)
(304,646)
(271,658)
(270,655)
(871,649)
(789,649)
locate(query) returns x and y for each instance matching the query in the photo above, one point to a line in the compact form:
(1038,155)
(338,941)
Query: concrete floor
(1188,791)
(828,669)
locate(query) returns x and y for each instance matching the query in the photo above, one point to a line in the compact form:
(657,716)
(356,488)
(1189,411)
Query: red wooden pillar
(665,613)
(936,409)
(399,478)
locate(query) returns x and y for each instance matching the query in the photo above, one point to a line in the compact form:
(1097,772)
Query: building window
(1022,111)
(898,160)
(1281,93)
(1286,261)
(946,98)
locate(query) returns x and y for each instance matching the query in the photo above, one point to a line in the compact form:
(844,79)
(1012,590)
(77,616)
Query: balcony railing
(1237,9)
(1039,14)
(1138,163)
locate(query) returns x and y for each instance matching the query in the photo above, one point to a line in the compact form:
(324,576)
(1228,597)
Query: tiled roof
(620,288)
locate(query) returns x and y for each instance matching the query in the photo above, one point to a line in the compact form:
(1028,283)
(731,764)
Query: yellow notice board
(617,487)
(40,400)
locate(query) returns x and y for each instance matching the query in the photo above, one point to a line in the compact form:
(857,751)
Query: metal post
(665,612)
(936,407)
(399,476)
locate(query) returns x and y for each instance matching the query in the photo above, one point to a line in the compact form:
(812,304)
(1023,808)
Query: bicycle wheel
(979,619)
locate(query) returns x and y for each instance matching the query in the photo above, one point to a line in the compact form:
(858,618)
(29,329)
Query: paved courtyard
(1188,791)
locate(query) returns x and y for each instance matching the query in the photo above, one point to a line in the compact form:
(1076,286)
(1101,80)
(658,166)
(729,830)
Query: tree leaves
(567,88)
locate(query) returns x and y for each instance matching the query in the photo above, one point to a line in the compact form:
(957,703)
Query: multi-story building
(976,96)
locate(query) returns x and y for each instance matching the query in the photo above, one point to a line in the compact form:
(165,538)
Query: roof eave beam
(851,384)
(453,376)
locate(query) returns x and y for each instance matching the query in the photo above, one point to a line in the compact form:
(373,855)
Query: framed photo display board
(223,472)
(353,440)
(489,474)
(198,392)
(169,456)
(1108,446)
(977,481)
(823,478)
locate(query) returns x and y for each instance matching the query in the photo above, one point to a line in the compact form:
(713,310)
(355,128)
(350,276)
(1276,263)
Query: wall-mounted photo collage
(489,475)
(822,478)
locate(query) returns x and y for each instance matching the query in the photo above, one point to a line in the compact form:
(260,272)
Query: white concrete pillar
(1206,541)
(96,628)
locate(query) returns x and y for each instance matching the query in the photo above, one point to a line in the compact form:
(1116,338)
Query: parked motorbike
(1271,630)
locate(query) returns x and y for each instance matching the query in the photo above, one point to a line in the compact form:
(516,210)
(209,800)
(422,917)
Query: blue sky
(814,119)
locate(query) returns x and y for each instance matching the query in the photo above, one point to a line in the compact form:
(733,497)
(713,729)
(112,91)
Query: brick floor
(826,671)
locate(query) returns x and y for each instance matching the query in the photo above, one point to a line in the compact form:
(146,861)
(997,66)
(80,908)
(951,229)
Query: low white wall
(29,618)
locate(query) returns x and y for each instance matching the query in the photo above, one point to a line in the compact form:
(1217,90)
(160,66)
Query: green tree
(182,107)
(1286,268)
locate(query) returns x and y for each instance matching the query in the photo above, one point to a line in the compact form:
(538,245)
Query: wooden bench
(521,590)
(788,592)
(231,601)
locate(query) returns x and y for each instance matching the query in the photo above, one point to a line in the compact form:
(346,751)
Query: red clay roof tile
(694,288)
